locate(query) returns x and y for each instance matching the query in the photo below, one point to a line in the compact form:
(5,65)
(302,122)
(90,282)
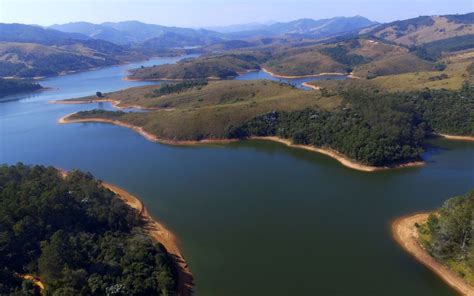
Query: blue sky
(200,13)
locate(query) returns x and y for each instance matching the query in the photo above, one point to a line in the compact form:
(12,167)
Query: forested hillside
(9,86)
(373,128)
(76,236)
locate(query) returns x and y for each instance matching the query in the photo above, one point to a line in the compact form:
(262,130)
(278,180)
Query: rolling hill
(134,32)
(29,51)
(424,29)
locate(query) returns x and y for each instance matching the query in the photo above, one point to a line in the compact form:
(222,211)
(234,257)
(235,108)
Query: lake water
(297,82)
(253,218)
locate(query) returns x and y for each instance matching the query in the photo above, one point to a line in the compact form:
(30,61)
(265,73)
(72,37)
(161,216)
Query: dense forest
(448,235)
(170,88)
(373,127)
(76,236)
(10,86)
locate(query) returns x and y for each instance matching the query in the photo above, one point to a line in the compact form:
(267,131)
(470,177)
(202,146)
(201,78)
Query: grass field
(455,74)
(208,112)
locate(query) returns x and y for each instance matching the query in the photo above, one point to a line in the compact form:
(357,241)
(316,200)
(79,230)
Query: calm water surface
(253,218)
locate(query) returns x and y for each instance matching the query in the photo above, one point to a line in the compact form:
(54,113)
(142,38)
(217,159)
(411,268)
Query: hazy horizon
(214,13)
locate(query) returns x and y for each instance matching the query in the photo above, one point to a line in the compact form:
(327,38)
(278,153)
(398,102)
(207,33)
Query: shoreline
(147,135)
(156,230)
(405,234)
(456,138)
(115,103)
(314,87)
(342,159)
(345,161)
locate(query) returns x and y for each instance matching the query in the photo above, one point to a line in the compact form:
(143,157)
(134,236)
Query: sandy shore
(147,135)
(406,235)
(344,160)
(35,280)
(331,153)
(306,84)
(116,103)
(160,233)
(457,138)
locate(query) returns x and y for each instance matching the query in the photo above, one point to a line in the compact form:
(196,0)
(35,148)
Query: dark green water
(253,218)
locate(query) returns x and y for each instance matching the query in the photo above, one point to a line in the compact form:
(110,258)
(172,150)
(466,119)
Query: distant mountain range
(134,32)
(424,29)
(29,50)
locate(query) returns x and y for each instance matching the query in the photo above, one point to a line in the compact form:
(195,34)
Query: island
(70,234)
(442,241)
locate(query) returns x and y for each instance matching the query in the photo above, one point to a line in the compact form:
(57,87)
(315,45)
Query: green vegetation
(373,128)
(447,235)
(76,236)
(341,54)
(423,29)
(433,51)
(206,67)
(362,121)
(207,113)
(170,88)
(9,86)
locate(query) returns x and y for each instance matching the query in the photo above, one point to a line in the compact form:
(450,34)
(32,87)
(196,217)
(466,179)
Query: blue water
(253,218)
(296,82)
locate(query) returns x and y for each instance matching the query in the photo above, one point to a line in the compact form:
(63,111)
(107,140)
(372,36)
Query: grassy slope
(208,112)
(456,72)
(213,66)
(30,59)
(416,31)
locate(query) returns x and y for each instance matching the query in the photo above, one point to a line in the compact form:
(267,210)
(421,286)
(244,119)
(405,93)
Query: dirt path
(161,234)
(406,235)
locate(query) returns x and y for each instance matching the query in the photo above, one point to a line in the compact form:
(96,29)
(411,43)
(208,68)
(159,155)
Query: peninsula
(449,255)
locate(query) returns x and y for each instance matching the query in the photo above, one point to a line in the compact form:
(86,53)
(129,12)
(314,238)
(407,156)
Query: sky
(205,13)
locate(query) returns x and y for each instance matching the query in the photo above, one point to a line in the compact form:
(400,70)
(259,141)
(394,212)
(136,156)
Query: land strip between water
(344,160)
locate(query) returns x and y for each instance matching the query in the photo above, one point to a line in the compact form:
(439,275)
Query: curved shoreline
(314,87)
(147,135)
(161,234)
(342,159)
(115,103)
(456,138)
(405,234)
(345,161)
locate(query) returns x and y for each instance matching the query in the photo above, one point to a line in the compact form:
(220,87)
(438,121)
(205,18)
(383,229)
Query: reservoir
(252,218)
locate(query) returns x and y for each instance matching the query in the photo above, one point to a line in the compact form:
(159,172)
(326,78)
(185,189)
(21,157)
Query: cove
(252,218)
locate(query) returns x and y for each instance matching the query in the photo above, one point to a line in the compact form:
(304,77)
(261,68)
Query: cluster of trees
(373,128)
(220,66)
(448,234)
(76,236)
(341,54)
(9,86)
(97,113)
(170,88)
